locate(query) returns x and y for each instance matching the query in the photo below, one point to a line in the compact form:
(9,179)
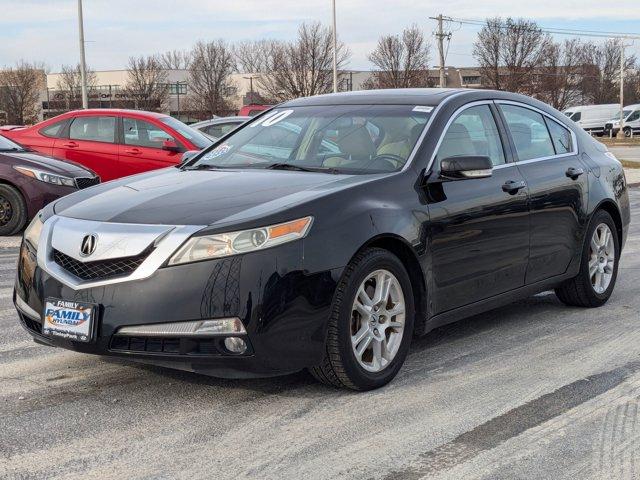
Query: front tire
(596,280)
(371,323)
(13,210)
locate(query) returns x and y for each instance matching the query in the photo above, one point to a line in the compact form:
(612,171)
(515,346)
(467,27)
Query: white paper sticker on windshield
(422,108)
(216,152)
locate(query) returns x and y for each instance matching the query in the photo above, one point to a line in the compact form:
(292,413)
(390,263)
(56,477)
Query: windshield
(6,144)
(191,134)
(355,139)
(625,113)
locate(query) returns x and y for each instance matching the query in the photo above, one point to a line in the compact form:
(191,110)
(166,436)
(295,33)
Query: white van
(631,114)
(592,117)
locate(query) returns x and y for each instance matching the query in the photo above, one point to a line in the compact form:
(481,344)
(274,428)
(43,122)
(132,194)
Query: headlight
(46,176)
(32,232)
(227,244)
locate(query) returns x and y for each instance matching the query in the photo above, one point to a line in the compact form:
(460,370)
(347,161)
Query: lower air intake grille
(85,182)
(100,269)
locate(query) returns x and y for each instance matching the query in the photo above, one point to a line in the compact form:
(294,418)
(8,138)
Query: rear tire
(386,334)
(589,289)
(13,210)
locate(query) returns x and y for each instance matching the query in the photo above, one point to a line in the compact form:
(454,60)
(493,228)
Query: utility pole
(621,131)
(441,35)
(83,64)
(335,48)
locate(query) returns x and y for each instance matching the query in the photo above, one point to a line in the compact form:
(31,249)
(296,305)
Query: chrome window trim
(450,121)
(426,129)
(574,138)
(166,245)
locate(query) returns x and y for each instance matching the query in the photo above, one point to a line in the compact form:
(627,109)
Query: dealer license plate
(67,319)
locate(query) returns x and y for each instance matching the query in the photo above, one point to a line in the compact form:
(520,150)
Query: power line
(557,31)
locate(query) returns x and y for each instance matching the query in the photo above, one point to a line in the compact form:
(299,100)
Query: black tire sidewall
(600,217)
(18,206)
(362,378)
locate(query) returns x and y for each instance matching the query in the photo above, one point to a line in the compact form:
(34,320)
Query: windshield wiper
(203,166)
(288,166)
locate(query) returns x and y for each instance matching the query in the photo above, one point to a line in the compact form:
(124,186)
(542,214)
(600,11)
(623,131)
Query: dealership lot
(535,389)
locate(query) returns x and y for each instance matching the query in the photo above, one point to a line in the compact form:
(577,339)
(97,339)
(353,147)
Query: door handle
(573,173)
(513,187)
(70,144)
(133,151)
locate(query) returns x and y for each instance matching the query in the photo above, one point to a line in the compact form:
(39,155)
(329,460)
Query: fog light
(235,345)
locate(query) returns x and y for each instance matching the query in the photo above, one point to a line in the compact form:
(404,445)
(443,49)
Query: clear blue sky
(46,31)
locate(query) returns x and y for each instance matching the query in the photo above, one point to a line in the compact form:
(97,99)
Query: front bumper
(284,310)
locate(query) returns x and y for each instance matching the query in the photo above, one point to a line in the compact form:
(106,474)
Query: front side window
(143,134)
(473,133)
(355,139)
(529,132)
(96,129)
(634,116)
(560,136)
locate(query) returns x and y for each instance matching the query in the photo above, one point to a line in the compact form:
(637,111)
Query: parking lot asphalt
(532,390)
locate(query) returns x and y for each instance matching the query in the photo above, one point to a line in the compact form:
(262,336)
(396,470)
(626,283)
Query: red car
(252,110)
(113,143)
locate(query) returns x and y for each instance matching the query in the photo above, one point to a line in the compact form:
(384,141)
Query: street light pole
(83,65)
(335,48)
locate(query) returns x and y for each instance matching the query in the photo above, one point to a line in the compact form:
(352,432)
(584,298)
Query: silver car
(217,127)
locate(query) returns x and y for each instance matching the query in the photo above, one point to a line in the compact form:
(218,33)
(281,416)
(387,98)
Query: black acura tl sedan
(324,234)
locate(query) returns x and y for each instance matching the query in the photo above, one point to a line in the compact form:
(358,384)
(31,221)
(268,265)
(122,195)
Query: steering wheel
(390,159)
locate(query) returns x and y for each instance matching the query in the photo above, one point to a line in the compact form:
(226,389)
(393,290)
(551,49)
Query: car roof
(397,96)
(215,121)
(117,111)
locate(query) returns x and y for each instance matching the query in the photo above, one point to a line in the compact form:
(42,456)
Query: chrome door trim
(426,129)
(574,138)
(448,124)
(167,241)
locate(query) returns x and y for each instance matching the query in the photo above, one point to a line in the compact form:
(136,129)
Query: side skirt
(496,301)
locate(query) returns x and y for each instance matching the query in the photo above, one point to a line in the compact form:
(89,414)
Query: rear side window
(219,129)
(529,132)
(54,130)
(143,134)
(473,132)
(96,129)
(560,136)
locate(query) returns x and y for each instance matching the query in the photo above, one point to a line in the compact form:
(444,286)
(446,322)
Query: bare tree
(147,83)
(486,51)
(69,83)
(175,60)
(252,55)
(209,75)
(561,74)
(401,61)
(303,67)
(509,53)
(602,85)
(20,88)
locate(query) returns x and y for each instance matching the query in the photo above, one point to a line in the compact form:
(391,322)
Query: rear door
(141,147)
(547,156)
(479,227)
(90,140)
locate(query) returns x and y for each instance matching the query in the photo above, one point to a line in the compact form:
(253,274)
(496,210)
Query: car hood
(206,197)
(36,160)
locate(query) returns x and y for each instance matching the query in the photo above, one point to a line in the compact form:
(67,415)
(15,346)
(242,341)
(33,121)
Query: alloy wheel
(377,320)
(6,211)
(602,258)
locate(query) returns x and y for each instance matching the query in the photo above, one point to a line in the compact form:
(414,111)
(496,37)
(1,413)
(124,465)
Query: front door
(91,142)
(548,160)
(479,227)
(141,148)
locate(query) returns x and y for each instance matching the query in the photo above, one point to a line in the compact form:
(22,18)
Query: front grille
(100,269)
(85,182)
(31,324)
(188,346)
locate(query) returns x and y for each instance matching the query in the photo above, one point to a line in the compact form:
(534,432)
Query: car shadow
(536,308)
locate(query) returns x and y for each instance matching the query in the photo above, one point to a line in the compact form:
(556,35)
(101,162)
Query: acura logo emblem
(88,245)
